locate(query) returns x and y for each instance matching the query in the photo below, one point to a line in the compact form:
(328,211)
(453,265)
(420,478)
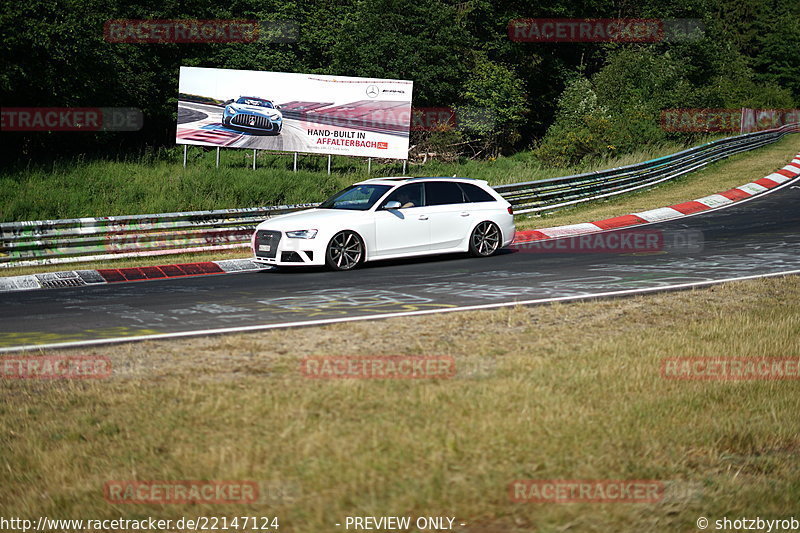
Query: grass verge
(532,399)
(160,184)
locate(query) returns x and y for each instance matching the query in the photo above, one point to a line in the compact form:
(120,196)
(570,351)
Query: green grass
(547,404)
(107,188)
(158,183)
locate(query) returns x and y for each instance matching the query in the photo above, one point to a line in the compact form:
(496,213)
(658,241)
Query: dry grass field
(552,392)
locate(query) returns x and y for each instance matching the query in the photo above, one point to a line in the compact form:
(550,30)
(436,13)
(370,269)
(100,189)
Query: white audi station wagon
(389,218)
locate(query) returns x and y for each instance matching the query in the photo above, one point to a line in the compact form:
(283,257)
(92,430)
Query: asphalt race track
(751,238)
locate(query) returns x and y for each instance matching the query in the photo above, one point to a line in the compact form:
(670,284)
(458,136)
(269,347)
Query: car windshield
(355,197)
(255,101)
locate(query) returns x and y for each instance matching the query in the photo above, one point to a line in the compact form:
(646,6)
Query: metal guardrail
(88,239)
(554,193)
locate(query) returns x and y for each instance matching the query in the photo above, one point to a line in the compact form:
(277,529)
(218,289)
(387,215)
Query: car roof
(256,98)
(394,180)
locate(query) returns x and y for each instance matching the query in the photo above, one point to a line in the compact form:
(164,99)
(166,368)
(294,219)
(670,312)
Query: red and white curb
(80,278)
(706,203)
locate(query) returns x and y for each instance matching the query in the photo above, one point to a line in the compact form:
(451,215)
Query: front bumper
(276,249)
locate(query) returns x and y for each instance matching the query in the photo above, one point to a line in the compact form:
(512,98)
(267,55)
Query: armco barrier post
(295,162)
(369,165)
(329,164)
(217,156)
(185,150)
(254,159)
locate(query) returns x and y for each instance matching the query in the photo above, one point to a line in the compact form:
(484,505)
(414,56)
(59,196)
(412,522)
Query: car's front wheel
(345,251)
(485,239)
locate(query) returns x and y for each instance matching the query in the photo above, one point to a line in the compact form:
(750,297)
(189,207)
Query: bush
(618,110)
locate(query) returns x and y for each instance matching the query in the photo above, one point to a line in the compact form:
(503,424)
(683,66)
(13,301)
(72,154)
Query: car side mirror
(392,205)
(277,107)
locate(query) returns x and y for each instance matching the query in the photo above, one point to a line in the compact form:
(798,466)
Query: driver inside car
(405,200)
(408,196)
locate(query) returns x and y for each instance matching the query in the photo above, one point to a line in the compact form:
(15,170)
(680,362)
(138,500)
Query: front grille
(252,121)
(267,238)
(291,257)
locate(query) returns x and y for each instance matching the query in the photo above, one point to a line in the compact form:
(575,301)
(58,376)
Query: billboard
(294,112)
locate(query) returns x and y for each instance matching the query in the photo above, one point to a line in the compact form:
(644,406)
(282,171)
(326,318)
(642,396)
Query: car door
(449,214)
(405,230)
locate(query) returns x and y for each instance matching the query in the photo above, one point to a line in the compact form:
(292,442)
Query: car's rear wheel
(485,239)
(345,251)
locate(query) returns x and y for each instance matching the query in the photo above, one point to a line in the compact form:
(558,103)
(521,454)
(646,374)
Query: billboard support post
(404,167)
(369,165)
(185,149)
(217,156)
(295,162)
(254,159)
(329,164)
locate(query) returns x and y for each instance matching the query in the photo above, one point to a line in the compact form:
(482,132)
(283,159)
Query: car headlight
(302,234)
(230,110)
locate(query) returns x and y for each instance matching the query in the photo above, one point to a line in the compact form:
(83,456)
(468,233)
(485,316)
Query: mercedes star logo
(372,91)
